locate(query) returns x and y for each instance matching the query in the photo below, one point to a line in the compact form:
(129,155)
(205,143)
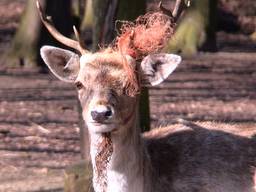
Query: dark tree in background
(30,35)
(210,43)
(86,14)
(106,13)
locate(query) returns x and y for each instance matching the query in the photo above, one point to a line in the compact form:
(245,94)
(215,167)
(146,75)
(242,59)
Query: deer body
(189,158)
(123,161)
(180,158)
(173,159)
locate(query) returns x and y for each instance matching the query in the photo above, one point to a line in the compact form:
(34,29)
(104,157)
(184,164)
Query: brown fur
(202,157)
(114,58)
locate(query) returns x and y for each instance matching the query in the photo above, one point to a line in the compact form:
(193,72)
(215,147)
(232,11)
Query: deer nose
(101,113)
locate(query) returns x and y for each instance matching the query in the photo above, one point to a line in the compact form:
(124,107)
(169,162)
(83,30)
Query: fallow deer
(184,158)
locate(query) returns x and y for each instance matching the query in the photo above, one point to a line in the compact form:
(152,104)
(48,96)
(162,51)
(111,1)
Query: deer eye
(79,85)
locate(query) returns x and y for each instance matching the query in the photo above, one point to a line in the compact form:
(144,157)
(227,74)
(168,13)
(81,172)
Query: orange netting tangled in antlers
(148,34)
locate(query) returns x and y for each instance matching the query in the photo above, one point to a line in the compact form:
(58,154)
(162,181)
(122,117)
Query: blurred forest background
(40,133)
(96,22)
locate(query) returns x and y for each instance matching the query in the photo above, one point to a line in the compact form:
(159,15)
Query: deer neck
(123,165)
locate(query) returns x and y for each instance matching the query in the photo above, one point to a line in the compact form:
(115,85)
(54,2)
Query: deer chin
(100,128)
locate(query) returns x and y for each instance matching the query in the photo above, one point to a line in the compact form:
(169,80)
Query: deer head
(107,81)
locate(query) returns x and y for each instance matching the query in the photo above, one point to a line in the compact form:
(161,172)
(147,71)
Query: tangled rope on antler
(148,34)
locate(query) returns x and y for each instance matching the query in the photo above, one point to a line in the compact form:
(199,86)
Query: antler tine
(57,35)
(178,8)
(80,41)
(164,10)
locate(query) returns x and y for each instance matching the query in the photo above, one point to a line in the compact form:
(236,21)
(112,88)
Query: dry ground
(38,114)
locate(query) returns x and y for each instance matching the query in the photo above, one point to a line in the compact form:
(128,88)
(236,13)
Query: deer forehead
(104,69)
(87,58)
(113,58)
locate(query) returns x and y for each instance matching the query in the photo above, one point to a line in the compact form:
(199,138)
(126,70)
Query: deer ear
(156,68)
(63,64)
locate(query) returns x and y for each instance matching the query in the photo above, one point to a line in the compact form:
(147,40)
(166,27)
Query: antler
(178,8)
(78,45)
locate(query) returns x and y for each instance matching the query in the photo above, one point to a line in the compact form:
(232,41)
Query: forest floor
(39,134)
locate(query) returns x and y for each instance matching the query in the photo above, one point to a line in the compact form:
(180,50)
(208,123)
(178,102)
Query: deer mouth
(105,127)
(100,124)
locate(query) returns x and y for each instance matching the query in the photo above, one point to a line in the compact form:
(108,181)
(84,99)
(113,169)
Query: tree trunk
(144,110)
(210,43)
(87,19)
(130,10)
(24,45)
(253,36)
(30,35)
(78,178)
(105,13)
(100,9)
(196,30)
